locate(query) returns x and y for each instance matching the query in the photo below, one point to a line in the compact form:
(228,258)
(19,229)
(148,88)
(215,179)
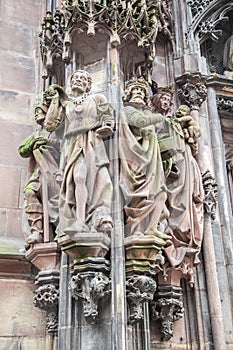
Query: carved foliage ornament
(167,308)
(89,287)
(139,290)
(192,90)
(224,104)
(46,298)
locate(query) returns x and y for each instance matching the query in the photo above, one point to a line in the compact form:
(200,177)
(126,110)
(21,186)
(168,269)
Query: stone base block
(85,244)
(45,256)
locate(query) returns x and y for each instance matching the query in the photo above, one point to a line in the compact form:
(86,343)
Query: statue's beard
(138,100)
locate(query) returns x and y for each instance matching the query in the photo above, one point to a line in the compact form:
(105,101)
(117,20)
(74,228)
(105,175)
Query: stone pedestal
(45,256)
(89,269)
(85,244)
(143,261)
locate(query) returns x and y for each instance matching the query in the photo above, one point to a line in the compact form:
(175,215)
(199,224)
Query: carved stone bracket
(168,308)
(143,261)
(139,290)
(211,194)
(45,256)
(89,269)
(47,297)
(192,90)
(85,244)
(89,287)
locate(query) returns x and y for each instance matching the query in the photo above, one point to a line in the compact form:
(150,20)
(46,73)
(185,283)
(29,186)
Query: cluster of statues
(71,179)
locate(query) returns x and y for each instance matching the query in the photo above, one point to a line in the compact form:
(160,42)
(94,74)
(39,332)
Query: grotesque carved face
(79,82)
(138,95)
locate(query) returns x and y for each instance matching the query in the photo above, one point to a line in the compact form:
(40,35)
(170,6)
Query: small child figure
(190,128)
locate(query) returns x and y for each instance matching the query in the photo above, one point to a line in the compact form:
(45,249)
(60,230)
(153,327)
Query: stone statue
(42,191)
(184,183)
(86,189)
(142,179)
(228,57)
(190,129)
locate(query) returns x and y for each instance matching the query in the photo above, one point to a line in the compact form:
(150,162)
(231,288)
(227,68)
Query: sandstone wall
(22,324)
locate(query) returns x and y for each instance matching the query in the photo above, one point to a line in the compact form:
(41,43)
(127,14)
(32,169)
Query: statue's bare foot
(34,238)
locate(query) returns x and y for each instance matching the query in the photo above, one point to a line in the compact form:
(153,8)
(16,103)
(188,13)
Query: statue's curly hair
(89,79)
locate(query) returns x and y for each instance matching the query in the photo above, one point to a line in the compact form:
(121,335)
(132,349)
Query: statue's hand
(40,141)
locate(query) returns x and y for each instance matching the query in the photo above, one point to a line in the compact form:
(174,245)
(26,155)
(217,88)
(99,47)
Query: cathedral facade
(116,170)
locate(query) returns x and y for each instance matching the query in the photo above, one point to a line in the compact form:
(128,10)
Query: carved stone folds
(47,297)
(167,308)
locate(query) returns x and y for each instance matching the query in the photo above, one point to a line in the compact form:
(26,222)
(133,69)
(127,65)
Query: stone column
(193,92)
(119,318)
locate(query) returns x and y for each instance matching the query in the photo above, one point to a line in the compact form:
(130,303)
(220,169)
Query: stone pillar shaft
(119,318)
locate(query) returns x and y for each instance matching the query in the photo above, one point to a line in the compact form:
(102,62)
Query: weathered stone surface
(17,310)
(16,79)
(14,343)
(25,12)
(10,178)
(14,101)
(11,136)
